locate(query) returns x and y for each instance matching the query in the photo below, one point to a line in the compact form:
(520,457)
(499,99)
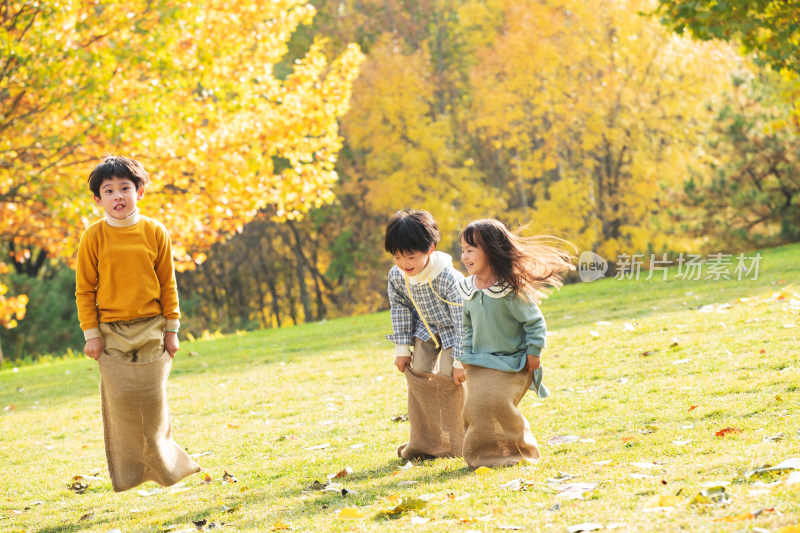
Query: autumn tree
(587,113)
(770,29)
(188,89)
(747,187)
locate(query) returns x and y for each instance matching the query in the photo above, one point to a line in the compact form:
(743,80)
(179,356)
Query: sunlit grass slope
(643,375)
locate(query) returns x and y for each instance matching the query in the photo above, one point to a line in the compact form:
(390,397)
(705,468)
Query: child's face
(412,263)
(476,260)
(118,196)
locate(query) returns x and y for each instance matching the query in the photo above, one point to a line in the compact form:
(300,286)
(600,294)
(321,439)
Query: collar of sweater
(126,222)
(468,289)
(438,263)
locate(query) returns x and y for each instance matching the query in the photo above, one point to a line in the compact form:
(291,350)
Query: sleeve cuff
(457,364)
(92,333)
(173,324)
(402,350)
(535,351)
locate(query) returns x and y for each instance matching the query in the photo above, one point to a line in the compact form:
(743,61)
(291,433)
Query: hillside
(644,375)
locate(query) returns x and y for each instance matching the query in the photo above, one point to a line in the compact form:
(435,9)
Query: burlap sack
(434,414)
(137,425)
(496,432)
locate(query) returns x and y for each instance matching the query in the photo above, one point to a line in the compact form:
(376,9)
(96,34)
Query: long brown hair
(525,264)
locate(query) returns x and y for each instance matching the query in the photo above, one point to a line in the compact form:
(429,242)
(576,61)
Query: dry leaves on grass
(727,431)
(80,483)
(395,508)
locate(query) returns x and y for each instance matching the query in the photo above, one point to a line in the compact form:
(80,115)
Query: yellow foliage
(188,89)
(593,111)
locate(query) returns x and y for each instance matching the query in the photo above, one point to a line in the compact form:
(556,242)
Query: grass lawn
(643,374)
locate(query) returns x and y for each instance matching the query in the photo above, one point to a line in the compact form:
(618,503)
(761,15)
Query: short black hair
(120,167)
(411,230)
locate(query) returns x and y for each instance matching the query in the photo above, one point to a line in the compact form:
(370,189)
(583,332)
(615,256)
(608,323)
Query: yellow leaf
(483,471)
(350,513)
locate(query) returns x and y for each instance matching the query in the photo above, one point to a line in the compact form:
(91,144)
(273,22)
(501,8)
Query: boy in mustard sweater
(125,285)
(128,307)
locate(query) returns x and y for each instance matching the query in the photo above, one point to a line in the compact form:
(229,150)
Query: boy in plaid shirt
(423,296)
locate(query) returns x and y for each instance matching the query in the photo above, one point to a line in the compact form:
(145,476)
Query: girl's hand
(94,347)
(402,362)
(171,343)
(533,363)
(459,376)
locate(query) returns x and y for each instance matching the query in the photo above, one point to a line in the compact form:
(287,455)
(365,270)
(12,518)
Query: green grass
(259,401)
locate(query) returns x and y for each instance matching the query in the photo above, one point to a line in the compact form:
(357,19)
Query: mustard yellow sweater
(124,272)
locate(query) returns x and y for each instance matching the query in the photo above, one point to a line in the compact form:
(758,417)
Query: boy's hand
(459,376)
(171,343)
(533,363)
(402,362)
(94,347)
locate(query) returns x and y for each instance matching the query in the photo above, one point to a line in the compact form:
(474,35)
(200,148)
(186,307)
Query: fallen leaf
(775,438)
(399,418)
(651,428)
(586,526)
(346,471)
(279,526)
(319,446)
(87,516)
(232,507)
(726,431)
(146,493)
(481,471)
(714,495)
(692,407)
(408,466)
(664,500)
(406,504)
(560,476)
(207,478)
(199,454)
(627,439)
(736,518)
(229,478)
(575,491)
(561,439)
(317,486)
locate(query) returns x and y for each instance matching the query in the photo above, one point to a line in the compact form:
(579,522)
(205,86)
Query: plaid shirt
(443,318)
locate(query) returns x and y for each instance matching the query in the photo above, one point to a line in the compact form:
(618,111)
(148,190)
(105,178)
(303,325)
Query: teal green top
(501,329)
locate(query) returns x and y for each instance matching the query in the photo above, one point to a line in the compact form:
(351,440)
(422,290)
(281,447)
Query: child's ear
(140,193)
(97,200)
(431,250)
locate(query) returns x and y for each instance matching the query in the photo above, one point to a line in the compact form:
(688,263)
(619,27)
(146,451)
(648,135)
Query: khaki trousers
(424,358)
(140,340)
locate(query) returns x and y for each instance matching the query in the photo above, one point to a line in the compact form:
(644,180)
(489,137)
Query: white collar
(126,222)
(468,289)
(438,262)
